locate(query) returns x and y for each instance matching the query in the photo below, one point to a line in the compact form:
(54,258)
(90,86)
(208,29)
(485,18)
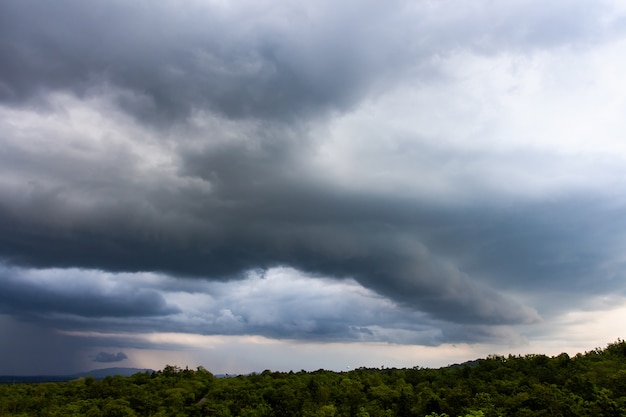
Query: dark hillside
(96,373)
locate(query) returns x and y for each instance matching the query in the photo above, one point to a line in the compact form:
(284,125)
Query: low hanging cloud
(75,293)
(105,357)
(280,303)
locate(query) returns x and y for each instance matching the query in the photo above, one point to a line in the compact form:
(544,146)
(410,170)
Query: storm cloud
(449,167)
(105,357)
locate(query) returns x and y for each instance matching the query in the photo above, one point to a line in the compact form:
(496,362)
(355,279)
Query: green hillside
(589,384)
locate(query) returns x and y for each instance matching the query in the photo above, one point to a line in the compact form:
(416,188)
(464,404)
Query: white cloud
(509,125)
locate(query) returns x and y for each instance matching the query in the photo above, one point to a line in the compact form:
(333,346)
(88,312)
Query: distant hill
(96,373)
(103,373)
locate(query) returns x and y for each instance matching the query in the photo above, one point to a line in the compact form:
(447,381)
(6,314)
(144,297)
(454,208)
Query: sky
(296,185)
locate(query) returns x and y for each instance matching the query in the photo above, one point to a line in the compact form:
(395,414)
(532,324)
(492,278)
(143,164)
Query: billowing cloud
(280,303)
(258,169)
(67,292)
(110,357)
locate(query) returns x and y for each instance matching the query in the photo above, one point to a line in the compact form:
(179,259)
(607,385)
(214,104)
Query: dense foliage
(590,384)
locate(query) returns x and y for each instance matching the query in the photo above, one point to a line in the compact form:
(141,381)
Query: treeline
(589,384)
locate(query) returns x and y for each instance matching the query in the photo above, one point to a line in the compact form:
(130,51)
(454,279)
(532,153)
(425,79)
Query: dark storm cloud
(62,292)
(265,209)
(106,357)
(260,60)
(265,223)
(425,257)
(224,199)
(256,61)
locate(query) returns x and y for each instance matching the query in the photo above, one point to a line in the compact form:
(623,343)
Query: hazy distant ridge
(96,373)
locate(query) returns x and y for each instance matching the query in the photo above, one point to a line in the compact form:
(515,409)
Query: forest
(588,384)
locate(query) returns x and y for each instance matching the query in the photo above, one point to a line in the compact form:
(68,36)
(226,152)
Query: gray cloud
(105,357)
(446,262)
(253,62)
(280,303)
(66,292)
(259,60)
